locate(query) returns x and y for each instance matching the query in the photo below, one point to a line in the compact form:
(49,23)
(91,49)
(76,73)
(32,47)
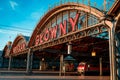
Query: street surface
(37,75)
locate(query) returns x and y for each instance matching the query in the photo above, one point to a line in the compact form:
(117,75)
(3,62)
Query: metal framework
(102,25)
(93,30)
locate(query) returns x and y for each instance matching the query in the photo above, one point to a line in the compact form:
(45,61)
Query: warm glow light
(42,59)
(93,53)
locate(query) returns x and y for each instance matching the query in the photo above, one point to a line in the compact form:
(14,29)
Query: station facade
(71,30)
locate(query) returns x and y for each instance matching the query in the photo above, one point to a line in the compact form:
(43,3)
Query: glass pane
(72,13)
(54,22)
(59,18)
(48,25)
(81,21)
(92,20)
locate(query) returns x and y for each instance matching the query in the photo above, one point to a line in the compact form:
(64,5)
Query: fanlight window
(92,20)
(66,22)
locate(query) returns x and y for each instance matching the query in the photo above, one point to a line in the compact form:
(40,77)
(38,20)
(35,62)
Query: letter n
(63,28)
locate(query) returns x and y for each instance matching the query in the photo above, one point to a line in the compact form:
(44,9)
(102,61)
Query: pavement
(45,75)
(54,78)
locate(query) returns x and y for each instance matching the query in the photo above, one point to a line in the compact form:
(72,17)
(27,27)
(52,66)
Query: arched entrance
(73,29)
(73,23)
(18,56)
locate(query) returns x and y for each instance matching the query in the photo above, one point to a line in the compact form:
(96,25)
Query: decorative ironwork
(96,29)
(22,52)
(77,27)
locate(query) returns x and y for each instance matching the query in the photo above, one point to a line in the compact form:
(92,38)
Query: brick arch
(61,8)
(16,41)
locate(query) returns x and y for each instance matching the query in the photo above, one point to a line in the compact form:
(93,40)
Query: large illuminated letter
(41,38)
(53,32)
(46,35)
(63,28)
(74,21)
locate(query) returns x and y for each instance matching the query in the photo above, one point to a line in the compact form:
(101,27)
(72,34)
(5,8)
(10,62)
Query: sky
(22,16)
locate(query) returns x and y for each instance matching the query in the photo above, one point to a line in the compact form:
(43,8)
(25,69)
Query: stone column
(29,61)
(100,60)
(10,62)
(61,65)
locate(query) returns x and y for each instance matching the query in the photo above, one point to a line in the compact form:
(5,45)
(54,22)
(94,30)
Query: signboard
(59,29)
(20,47)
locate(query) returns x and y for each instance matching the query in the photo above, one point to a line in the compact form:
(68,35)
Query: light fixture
(93,53)
(69,48)
(43,59)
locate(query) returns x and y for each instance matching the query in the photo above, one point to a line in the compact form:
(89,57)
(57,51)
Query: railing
(93,3)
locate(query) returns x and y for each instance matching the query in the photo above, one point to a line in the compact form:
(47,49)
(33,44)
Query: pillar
(61,65)
(10,62)
(100,60)
(29,61)
(2,64)
(110,23)
(113,69)
(69,48)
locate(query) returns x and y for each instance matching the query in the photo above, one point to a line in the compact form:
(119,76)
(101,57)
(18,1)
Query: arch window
(82,20)
(92,20)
